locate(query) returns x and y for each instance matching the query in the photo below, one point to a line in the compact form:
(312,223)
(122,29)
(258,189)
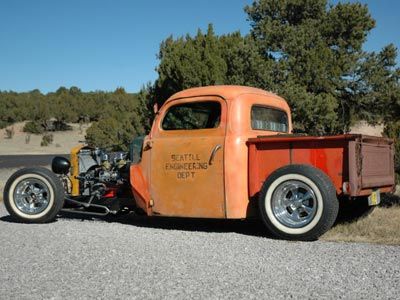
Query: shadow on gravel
(245,227)
(10,219)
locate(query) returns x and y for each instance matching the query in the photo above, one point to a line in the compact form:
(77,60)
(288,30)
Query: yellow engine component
(106,165)
(75,170)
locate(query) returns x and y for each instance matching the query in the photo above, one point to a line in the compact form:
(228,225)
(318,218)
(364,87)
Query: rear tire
(298,202)
(33,195)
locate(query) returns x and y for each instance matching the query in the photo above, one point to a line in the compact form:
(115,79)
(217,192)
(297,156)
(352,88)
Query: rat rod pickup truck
(216,152)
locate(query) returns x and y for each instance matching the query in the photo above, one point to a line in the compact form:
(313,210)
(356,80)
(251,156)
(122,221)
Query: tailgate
(371,163)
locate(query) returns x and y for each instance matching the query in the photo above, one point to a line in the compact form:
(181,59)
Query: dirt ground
(62,144)
(19,144)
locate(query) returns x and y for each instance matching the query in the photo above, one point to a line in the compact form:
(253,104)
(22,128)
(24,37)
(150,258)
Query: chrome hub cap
(294,204)
(31,196)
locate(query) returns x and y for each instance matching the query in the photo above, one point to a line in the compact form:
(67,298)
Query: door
(187,159)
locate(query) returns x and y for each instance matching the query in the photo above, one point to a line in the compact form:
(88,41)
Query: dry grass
(381,227)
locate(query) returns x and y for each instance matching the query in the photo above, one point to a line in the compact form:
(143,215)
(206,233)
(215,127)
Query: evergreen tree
(304,50)
(328,79)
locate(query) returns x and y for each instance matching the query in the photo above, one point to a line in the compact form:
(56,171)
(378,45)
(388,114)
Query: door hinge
(148,145)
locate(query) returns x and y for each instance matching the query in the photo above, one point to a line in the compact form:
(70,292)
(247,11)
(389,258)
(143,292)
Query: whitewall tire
(33,195)
(298,202)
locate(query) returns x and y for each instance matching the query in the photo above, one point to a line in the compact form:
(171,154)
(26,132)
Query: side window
(193,115)
(267,118)
(135,149)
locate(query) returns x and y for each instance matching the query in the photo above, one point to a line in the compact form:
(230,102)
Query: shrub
(47,139)
(9,133)
(33,127)
(61,126)
(3,124)
(111,133)
(27,138)
(57,126)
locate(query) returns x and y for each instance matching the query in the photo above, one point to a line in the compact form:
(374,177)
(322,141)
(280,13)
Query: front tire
(33,195)
(298,202)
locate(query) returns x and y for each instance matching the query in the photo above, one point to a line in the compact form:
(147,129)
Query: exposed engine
(101,172)
(96,181)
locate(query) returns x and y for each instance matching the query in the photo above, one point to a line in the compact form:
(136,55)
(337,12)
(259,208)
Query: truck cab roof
(228,92)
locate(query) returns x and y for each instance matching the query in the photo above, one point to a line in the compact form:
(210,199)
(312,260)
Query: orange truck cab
(201,170)
(211,151)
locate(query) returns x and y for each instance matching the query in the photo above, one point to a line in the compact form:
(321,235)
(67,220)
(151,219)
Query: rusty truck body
(219,152)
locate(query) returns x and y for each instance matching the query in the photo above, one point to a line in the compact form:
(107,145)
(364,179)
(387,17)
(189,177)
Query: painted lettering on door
(185,166)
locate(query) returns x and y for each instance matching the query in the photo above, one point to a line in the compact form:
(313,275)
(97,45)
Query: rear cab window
(193,116)
(268,119)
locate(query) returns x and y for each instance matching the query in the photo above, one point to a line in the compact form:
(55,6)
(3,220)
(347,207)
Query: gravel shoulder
(138,257)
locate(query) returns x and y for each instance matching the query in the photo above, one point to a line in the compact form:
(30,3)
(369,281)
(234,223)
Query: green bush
(111,133)
(47,139)
(33,127)
(3,124)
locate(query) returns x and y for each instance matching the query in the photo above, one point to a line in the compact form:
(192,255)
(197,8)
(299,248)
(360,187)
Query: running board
(83,212)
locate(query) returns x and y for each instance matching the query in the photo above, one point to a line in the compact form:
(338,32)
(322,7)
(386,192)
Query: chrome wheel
(31,196)
(294,204)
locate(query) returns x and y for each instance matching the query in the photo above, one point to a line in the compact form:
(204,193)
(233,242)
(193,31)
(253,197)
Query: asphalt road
(16,161)
(143,258)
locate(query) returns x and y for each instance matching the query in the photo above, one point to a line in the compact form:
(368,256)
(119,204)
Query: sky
(105,44)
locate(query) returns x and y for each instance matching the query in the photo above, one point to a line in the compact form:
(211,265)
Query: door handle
(214,151)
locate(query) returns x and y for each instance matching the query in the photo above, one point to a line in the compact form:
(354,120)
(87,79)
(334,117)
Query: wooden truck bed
(356,164)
